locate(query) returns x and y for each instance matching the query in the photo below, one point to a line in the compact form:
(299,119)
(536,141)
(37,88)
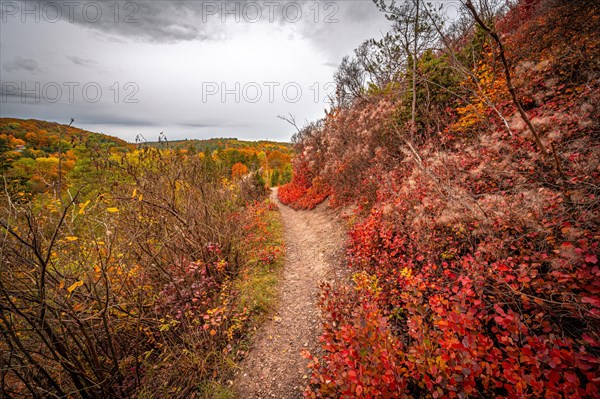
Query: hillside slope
(475,236)
(38,135)
(30,149)
(129,272)
(38,156)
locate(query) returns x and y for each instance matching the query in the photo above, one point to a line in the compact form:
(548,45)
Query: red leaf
(591,258)
(567,245)
(359,390)
(592,301)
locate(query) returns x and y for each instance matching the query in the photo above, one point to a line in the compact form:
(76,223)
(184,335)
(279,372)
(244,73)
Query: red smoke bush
(302,192)
(475,260)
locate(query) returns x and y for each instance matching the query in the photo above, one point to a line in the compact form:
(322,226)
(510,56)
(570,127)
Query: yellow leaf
(134,193)
(74,286)
(141,196)
(112,210)
(82,207)
(71,238)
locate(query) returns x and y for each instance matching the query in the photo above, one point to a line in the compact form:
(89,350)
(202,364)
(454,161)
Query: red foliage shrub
(191,290)
(514,327)
(363,357)
(303,192)
(476,265)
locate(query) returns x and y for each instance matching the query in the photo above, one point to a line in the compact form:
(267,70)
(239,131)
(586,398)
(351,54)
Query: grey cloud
(84,62)
(23,93)
(21,64)
(9,95)
(169,91)
(93,119)
(184,20)
(354,21)
(202,124)
(333,26)
(210,122)
(154,21)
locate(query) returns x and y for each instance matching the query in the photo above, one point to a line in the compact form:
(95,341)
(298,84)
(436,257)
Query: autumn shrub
(132,289)
(500,309)
(363,357)
(303,192)
(477,254)
(303,198)
(361,147)
(238,170)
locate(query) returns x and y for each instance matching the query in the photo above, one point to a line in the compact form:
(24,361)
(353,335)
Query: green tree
(3,150)
(275,178)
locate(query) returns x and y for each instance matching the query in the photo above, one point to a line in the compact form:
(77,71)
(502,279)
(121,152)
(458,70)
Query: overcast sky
(194,69)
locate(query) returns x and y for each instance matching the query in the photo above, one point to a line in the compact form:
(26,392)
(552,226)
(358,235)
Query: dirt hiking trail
(314,249)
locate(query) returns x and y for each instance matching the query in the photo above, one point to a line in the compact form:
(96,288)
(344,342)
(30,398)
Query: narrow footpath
(274,367)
